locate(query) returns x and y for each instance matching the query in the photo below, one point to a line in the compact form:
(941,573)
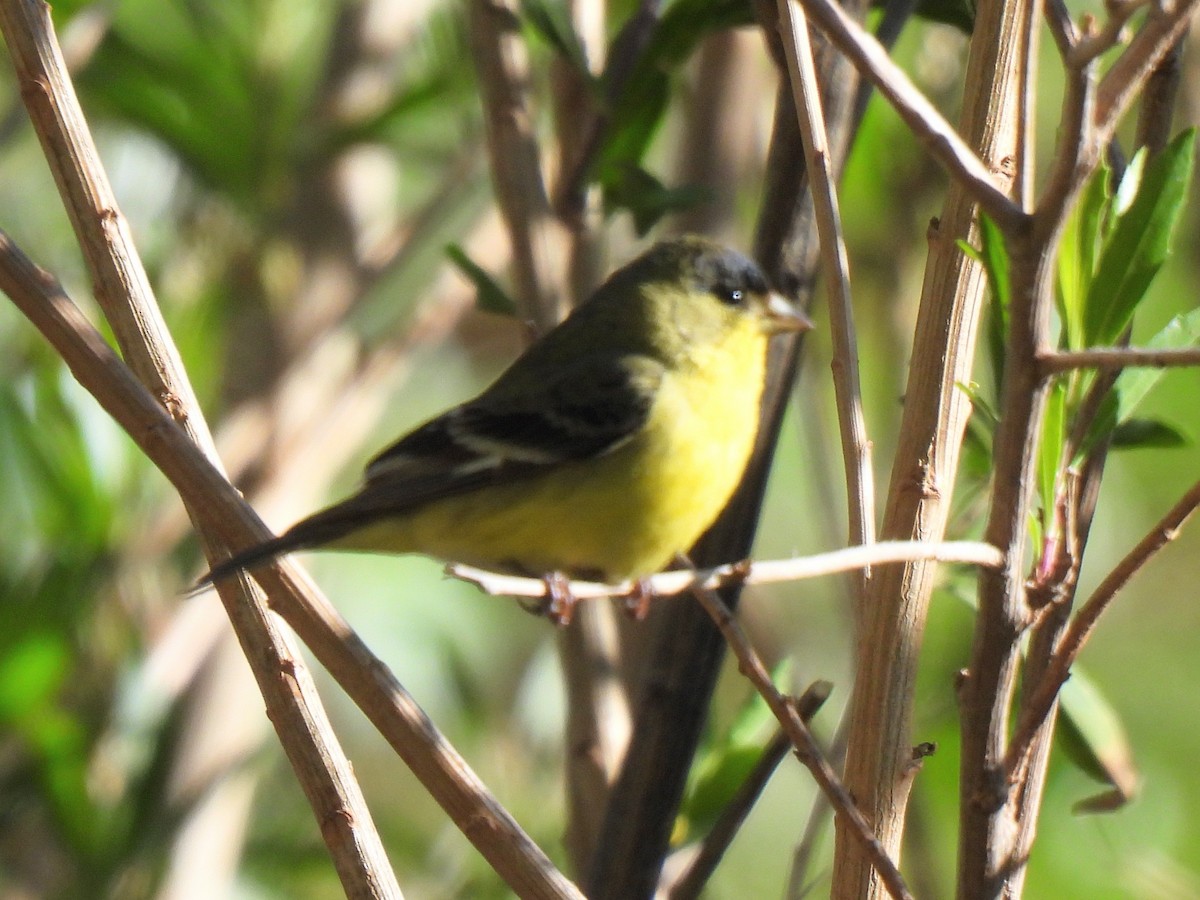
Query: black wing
(508,433)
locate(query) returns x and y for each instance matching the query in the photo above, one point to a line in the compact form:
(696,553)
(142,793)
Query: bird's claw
(560,605)
(637,601)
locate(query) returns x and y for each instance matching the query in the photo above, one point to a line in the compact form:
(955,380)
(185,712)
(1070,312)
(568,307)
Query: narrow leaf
(1050,452)
(1095,740)
(1077,257)
(1140,434)
(1139,242)
(993,256)
(550,21)
(490,297)
(1134,384)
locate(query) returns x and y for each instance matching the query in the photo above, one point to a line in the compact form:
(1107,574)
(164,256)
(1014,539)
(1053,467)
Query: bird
(601,453)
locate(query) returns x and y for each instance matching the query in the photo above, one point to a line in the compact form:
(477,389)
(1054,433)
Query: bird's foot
(637,601)
(560,602)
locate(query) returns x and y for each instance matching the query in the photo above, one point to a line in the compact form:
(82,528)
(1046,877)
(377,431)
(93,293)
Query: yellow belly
(623,515)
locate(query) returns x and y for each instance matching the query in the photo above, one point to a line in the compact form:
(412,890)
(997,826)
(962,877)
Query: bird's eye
(732,296)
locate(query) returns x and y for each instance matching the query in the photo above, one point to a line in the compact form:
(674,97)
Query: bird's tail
(323,528)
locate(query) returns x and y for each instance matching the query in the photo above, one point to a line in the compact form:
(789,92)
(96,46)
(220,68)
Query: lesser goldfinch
(606,449)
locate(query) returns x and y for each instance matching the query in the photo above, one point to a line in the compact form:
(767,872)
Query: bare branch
(1124,79)
(807,749)
(1062,26)
(1107,358)
(1089,46)
(516,160)
(937,135)
(929,443)
(1157,108)
(1085,621)
(689,884)
(123,290)
(856,446)
(667,584)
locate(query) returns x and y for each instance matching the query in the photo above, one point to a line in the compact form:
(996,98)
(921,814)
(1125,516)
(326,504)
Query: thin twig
(801,868)
(856,446)
(806,746)
(712,849)
(926,123)
(516,160)
(1157,109)
(1084,622)
(1062,26)
(668,584)
(1163,27)
(223,512)
(1090,46)
(1117,358)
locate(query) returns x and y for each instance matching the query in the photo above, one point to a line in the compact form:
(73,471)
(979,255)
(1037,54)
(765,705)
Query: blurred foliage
(231,132)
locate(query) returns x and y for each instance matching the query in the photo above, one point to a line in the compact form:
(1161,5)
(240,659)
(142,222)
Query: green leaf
(1181,333)
(996,264)
(551,22)
(1094,739)
(1140,240)
(959,13)
(1054,434)
(635,120)
(1078,251)
(648,199)
(724,763)
(1134,384)
(489,296)
(1139,434)
(687,22)
(720,774)
(639,107)
(1092,214)
(993,256)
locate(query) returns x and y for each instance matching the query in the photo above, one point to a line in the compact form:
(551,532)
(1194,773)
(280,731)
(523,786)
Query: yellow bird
(606,449)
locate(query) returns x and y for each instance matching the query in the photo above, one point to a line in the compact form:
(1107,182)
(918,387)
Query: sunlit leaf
(1139,242)
(1078,250)
(1054,433)
(1135,383)
(993,256)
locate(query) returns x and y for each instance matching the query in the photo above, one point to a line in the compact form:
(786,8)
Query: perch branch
(667,584)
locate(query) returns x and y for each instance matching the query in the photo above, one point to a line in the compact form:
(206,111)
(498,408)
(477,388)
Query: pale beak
(781,316)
